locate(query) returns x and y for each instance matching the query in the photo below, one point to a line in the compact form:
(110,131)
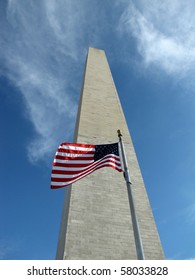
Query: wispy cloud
(42,52)
(40,63)
(43,49)
(164,32)
(39,52)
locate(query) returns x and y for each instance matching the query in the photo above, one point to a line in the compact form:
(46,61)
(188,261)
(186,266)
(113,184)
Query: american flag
(74,161)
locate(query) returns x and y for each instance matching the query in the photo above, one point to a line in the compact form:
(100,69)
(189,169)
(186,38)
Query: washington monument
(96,221)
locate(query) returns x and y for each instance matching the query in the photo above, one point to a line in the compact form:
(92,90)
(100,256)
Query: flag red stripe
(79,177)
(86,158)
(90,169)
(69,171)
(66,164)
(73,158)
(77,145)
(111,157)
(70,151)
(70,164)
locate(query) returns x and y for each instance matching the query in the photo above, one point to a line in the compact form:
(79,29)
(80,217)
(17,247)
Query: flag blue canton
(103,150)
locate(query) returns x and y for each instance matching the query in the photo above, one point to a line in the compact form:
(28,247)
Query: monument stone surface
(96,221)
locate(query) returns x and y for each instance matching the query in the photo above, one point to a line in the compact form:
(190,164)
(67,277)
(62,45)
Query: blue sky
(150,46)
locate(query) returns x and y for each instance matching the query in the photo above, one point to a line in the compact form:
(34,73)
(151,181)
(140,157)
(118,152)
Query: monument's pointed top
(95,49)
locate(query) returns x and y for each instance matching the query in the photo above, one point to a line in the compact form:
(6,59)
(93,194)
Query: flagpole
(137,235)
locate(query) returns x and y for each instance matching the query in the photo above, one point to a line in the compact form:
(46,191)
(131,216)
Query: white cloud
(164,32)
(43,48)
(42,52)
(39,51)
(35,63)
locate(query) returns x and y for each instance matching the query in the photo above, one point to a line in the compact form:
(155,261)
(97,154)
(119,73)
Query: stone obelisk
(96,221)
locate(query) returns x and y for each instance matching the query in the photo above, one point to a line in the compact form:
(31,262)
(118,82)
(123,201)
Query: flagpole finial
(119,133)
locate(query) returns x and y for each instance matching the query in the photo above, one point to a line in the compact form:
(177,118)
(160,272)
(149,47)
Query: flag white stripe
(72,181)
(61,168)
(80,173)
(73,161)
(76,148)
(86,161)
(73,155)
